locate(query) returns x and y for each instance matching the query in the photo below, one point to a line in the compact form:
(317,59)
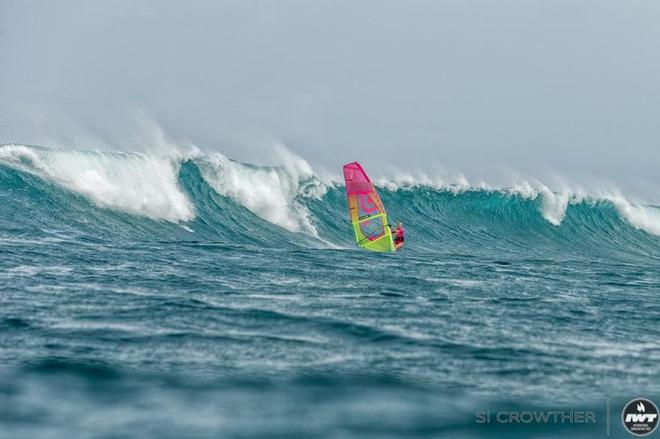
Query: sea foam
(272,193)
(146,184)
(135,183)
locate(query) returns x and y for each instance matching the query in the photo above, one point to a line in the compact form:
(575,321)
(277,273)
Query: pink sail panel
(357,181)
(358,185)
(367,205)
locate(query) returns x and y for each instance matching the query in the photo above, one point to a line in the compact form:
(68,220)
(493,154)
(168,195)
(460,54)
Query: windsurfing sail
(367,211)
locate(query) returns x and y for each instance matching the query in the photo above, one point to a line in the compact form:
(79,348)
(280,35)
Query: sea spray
(136,183)
(291,197)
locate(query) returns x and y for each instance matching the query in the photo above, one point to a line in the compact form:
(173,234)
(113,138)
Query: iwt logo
(640,417)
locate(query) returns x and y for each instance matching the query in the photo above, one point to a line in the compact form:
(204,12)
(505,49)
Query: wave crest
(135,183)
(271,193)
(207,193)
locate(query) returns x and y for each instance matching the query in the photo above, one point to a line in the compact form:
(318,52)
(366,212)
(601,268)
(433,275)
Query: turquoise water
(206,298)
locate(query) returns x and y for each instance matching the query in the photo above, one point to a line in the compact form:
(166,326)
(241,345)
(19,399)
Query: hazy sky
(572,86)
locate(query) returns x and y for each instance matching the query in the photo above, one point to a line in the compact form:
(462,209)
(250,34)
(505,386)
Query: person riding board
(398,233)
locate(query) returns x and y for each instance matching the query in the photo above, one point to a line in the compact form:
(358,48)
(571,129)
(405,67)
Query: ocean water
(199,297)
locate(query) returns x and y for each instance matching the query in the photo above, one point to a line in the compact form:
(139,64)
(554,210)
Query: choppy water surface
(147,298)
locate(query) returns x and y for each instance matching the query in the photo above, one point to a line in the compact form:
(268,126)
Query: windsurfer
(398,233)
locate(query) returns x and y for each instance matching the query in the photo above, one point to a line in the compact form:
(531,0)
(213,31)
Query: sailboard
(367,212)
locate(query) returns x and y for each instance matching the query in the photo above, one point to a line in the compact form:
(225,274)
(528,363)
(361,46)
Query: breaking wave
(135,183)
(211,197)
